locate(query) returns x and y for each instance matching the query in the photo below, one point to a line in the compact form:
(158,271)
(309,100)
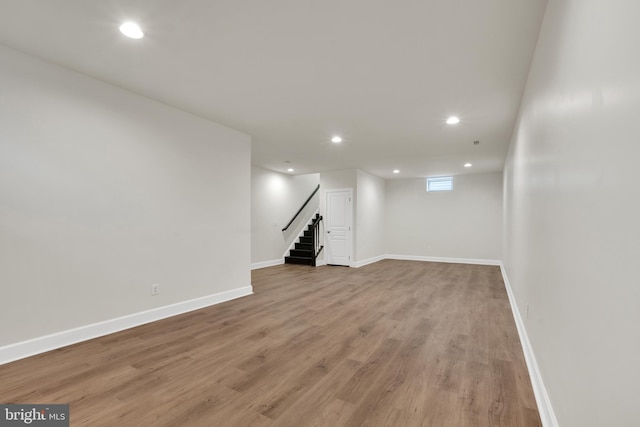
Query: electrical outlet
(155,289)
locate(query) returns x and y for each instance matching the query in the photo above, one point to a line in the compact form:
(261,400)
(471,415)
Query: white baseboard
(443,259)
(263,264)
(371,260)
(545,409)
(367,261)
(46,343)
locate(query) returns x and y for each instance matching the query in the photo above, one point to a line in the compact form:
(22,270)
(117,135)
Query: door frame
(351,226)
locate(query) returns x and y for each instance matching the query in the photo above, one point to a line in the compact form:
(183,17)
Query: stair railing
(303,206)
(316,240)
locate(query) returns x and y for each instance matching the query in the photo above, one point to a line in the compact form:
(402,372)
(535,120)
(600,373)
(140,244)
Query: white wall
(103,193)
(572,210)
(463,223)
(370,211)
(275,198)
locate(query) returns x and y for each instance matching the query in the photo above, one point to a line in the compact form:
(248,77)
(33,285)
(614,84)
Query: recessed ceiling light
(467,165)
(453,120)
(336,139)
(396,171)
(290,170)
(131,29)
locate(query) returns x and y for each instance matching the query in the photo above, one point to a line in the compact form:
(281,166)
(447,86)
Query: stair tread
(298,260)
(302,253)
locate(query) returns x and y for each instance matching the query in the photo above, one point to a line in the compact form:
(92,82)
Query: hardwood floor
(395,343)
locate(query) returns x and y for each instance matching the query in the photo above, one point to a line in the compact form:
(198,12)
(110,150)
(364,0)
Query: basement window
(441,183)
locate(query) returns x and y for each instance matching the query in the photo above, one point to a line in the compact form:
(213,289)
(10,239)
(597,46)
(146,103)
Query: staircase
(304,252)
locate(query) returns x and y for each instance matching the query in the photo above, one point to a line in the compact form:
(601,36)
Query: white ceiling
(291,73)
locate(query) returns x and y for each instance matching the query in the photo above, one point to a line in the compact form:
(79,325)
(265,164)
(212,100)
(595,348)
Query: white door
(338,227)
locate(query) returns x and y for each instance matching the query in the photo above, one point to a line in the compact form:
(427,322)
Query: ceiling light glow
(467,165)
(453,120)
(396,171)
(290,170)
(336,139)
(131,29)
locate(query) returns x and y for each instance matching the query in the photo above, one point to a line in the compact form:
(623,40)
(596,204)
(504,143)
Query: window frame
(439,179)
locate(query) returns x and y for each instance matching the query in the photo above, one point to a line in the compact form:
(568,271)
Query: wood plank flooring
(395,343)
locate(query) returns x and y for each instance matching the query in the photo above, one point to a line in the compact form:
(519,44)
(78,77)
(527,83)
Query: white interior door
(338,227)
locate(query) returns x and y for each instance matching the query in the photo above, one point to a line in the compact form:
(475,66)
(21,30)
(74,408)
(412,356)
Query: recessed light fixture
(290,170)
(131,29)
(467,165)
(336,139)
(453,120)
(396,171)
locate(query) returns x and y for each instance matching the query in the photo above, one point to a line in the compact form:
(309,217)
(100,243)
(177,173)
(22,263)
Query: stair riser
(302,254)
(301,261)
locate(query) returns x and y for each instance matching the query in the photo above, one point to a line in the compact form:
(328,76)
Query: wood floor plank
(395,343)
(319,403)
